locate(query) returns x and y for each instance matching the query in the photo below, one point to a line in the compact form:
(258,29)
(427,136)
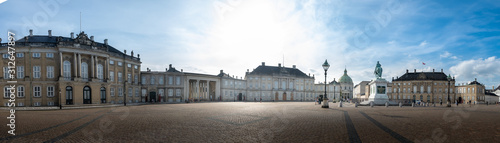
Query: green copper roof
(345,78)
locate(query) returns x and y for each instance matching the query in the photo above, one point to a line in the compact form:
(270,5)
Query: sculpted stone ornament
(378,70)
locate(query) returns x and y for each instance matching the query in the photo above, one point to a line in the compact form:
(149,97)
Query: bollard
(434,104)
(356,104)
(371,104)
(340,104)
(400,104)
(386,104)
(412,104)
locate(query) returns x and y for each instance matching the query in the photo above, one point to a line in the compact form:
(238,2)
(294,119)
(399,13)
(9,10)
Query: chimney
(50,33)
(221,71)
(125,51)
(475,79)
(294,66)
(248,70)
(72,35)
(415,70)
(132,53)
(166,69)
(392,78)
(170,66)
(92,38)
(0,40)
(279,64)
(406,70)
(31,32)
(182,70)
(263,63)
(105,42)
(137,55)
(432,70)
(441,70)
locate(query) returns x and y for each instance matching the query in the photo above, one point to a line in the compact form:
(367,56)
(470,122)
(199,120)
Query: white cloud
(423,43)
(485,70)
(446,54)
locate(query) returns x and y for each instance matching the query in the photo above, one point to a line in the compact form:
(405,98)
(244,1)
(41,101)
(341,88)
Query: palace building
(423,86)
(53,70)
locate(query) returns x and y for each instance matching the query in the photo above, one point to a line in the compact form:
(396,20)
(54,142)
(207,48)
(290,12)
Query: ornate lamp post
(325,98)
(449,102)
(60,102)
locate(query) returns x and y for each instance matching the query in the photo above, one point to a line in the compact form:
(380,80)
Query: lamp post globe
(449,101)
(325,97)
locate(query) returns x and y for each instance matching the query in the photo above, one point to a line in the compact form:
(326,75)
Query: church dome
(345,78)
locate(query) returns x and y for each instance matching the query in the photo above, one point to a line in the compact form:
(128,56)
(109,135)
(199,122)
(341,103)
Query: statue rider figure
(378,71)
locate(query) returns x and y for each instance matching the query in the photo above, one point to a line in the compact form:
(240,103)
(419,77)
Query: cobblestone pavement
(257,122)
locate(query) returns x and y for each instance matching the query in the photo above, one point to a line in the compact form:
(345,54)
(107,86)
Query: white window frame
(20,72)
(50,91)
(50,71)
(37,91)
(120,77)
(100,72)
(112,91)
(19,55)
(120,91)
(49,55)
(178,80)
(36,55)
(67,70)
(160,80)
(84,71)
(20,91)
(36,71)
(111,76)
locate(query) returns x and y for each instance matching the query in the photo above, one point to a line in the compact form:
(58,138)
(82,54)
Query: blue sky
(460,37)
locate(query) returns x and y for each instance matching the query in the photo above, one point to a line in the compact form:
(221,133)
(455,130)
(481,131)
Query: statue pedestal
(378,93)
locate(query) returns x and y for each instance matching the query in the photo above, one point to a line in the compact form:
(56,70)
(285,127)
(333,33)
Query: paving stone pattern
(257,122)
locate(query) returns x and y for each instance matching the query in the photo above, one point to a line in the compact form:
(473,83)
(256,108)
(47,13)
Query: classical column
(92,67)
(208,89)
(61,66)
(106,69)
(75,64)
(197,87)
(79,66)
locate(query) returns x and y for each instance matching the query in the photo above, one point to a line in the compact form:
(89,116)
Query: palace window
(120,91)
(177,92)
(36,55)
(129,78)
(20,72)
(37,90)
(50,71)
(170,80)
(120,77)
(19,55)
(49,55)
(120,64)
(152,80)
(112,91)
(111,62)
(5,56)
(20,91)
(160,80)
(36,71)
(136,79)
(50,91)
(100,72)
(111,75)
(136,92)
(170,92)
(67,70)
(178,80)
(85,71)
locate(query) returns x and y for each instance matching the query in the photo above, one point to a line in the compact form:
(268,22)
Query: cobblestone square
(257,122)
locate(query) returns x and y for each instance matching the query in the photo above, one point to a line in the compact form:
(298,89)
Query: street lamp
(449,102)
(325,98)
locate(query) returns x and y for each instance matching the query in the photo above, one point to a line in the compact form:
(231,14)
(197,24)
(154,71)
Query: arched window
(421,98)
(103,95)
(85,71)
(429,89)
(421,89)
(86,95)
(100,73)
(67,70)
(69,95)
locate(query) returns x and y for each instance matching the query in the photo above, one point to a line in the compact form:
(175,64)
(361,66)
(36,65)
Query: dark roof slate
(423,76)
(272,70)
(55,39)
